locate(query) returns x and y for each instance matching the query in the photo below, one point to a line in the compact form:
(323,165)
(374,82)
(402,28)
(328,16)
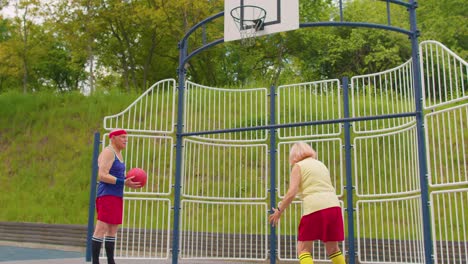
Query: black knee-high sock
(110,244)
(96,249)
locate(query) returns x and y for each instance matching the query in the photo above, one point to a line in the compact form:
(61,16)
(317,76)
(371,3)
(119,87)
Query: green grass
(47,145)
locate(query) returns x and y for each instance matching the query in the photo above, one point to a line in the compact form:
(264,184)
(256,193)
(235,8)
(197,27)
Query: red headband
(117,133)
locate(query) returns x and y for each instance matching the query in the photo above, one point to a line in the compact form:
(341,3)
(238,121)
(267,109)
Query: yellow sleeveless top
(316,190)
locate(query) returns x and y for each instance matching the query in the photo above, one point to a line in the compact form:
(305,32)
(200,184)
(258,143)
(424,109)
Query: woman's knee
(112,231)
(101,229)
(304,247)
(331,247)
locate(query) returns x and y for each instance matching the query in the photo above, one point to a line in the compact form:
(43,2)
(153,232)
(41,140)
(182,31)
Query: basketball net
(249,20)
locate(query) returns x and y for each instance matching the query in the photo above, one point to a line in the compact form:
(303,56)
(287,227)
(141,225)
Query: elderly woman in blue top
(109,201)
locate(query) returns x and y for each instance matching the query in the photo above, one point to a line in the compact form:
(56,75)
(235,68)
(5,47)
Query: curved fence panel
(213,109)
(445,75)
(386,164)
(447,141)
(225,171)
(153,112)
(307,102)
(383,93)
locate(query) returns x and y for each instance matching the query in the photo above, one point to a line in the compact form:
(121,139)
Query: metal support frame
(92,195)
(179,145)
(184,57)
(418,97)
(349,176)
(273,235)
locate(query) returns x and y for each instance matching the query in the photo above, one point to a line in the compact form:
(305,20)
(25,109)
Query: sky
(8,12)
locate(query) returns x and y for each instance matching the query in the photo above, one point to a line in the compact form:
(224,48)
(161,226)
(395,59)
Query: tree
(25,28)
(76,44)
(75,29)
(447,22)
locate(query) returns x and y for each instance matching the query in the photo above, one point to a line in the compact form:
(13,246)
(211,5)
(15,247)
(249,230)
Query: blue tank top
(117,170)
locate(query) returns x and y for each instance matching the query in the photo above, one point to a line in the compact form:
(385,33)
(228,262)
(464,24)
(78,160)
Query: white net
(249,19)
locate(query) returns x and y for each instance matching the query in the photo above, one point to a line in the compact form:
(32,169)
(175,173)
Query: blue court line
(9,253)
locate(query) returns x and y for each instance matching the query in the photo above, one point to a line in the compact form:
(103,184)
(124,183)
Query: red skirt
(325,225)
(109,209)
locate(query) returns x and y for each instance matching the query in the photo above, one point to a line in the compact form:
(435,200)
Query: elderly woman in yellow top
(322,218)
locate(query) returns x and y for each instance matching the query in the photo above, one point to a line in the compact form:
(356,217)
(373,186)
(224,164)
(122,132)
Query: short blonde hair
(300,151)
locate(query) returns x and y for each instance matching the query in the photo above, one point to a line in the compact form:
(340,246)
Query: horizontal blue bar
(201,23)
(202,48)
(321,122)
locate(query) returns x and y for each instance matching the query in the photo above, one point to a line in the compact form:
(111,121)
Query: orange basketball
(140,175)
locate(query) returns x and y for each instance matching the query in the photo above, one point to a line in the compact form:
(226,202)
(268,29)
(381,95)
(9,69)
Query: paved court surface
(36,253)
(27,253)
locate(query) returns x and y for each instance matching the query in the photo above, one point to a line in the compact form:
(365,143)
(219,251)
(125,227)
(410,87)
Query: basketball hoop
(249,19)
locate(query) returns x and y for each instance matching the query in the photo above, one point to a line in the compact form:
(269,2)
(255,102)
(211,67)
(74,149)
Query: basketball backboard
(281,15)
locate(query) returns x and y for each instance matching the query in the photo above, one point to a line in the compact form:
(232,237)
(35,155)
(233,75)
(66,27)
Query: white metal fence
(306,102)
(225,175)
(386,164)
(224,230)
(211,108)
(444,74)
(390,230)
(449,227)
(152,112)
(225,171)
(445,84)
(145,229)
(388,92)
(225,184)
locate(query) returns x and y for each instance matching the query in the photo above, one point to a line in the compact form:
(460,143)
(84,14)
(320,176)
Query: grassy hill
(46,142)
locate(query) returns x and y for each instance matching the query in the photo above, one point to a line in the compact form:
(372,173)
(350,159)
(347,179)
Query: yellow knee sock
(337,258)
(305,258)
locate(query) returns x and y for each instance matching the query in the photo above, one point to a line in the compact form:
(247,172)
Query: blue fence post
(273,236)
(179,144)
(92,195)
(349,175)
(418,97)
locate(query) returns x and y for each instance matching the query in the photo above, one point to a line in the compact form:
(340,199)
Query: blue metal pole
(273,236)
(183,59)
(349,175)
(389,19)
(341,10)
(418,97)
(179,145)
(92,196)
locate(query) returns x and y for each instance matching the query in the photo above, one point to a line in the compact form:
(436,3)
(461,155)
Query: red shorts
(109,209)
(325,225)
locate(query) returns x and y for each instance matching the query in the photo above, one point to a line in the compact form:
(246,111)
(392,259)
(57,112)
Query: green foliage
(3,30)
(447,22)
(66,45)
(47,145)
